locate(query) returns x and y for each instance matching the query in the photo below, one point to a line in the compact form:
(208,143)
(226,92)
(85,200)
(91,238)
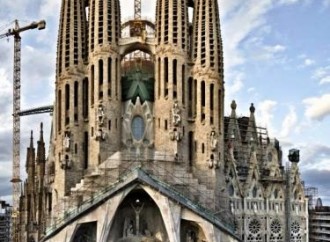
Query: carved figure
(176,117)
(100,115)
(129,229)
(100,134)
(66,141)
(191,236)
(214,141)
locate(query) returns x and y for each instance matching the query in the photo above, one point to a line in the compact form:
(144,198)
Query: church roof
(133,178)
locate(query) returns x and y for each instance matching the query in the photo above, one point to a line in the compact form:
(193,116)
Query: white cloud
(235,84)
(265,114)
(309,62)
(322,74)
(289,123)
(317,108)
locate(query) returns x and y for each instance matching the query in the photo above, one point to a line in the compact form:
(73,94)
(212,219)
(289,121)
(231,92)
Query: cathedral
(140,148)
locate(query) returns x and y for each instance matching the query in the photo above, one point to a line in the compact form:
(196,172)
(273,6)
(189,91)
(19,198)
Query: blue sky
(277,56)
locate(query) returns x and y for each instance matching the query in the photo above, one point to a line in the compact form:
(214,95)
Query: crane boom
(16,117)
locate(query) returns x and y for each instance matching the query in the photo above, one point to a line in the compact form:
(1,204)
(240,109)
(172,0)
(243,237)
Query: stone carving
(100,115)
(176,117)
(191,236)
(213,163)
(66,163)
(66,141)
(100,135)
(175,135)
(128,231)
(214,141)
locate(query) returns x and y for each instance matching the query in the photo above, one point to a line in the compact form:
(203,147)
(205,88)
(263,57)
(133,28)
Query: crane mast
(15,32)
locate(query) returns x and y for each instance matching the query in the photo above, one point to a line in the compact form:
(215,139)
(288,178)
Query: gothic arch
(191,231)
(132,219)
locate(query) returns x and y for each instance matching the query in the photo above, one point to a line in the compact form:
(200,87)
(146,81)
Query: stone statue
(191,236)
(100,115)
(128,229)
(66,141)
(214,141)
(176,117)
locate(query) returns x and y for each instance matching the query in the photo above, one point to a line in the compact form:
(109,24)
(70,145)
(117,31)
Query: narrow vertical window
(203,100)
(59,110)
(85,165)
(159,77)
(175,64)
(76,90)
(116,79)
(212,103)
(75,100)
(100,79)
(195,97)
(191,147)
(190,97)
(92,85)
(109,75)
(85,98)
(67,97)
(67,104)
(183,83)
(166,77)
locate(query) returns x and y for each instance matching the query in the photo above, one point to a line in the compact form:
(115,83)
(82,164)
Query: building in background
(140,148)
(5,221)
(319,222)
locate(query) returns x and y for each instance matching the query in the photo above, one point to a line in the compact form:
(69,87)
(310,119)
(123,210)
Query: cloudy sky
(277,56)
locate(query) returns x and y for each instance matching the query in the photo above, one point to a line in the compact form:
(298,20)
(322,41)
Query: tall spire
(104,23)
(172,23)
(72,36)
(41,146)
(207,44)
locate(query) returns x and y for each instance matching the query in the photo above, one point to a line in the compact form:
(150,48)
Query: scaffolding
(312,194)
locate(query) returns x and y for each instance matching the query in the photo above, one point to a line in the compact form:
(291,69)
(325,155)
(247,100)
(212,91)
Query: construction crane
(15,32)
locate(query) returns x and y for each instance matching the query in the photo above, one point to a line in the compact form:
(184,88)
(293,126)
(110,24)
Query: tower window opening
(165,124)
(59,110)
(67,97)
(67,104)
(175,63)
(166,77)
(190,97)
(195,97)
(85,98)
(76,91)
(159,76)
(100,79)
(211,103)
(183,83)
(92,85)
(191,147)
(109,74)
(86,148)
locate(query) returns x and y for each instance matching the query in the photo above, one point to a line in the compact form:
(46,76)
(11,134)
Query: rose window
(254,226)
(295,227)
(275,226)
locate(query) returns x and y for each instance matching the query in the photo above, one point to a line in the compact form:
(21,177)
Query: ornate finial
(252,108)
(233,105)
(41,126)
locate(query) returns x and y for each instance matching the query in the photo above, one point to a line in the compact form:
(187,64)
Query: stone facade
(140,149)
